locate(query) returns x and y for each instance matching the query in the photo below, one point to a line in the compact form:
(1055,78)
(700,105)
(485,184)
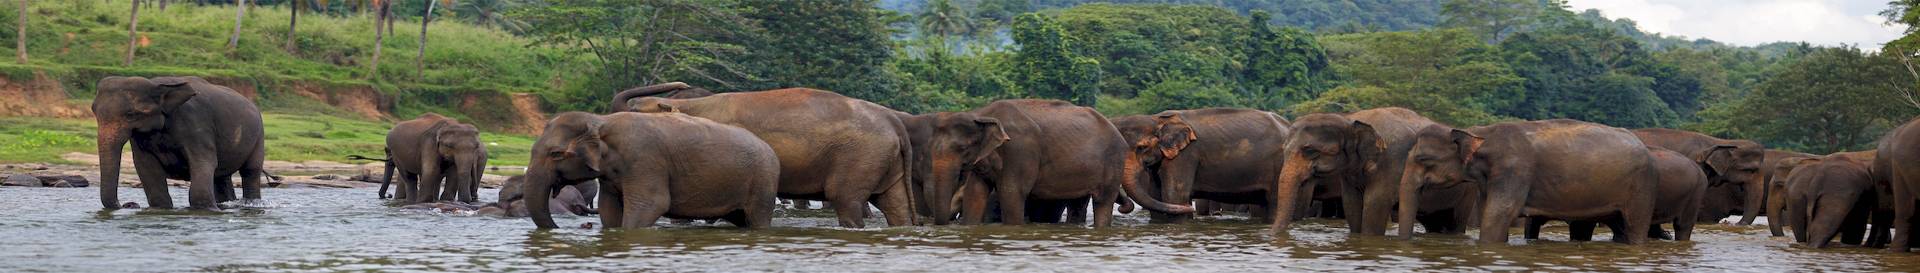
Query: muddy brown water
(331,230)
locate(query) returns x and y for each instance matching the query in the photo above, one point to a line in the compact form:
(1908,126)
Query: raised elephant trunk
(1131,171)
(1410,185)
(1293,171)
(620,99)
(1756,185)
(537,189)
(111,138)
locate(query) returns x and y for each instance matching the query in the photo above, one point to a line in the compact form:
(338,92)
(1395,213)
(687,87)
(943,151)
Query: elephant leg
(974,205)
(1797,218)
(1261,213)
(612,210)
(1379,205)
(1882,225)
(430,181)
(894,205)
(1903,208)
(1854,228)
(1580,231)
(1103,203)
(1532,231)
(409,186)
(153,180)
(1657,232)
(250,181)
(1205,207)
(1621,230)
(1776,214)
(200,192)
(1013,202)
(1352,201)
(1077,210)
(223,189)
(643,210)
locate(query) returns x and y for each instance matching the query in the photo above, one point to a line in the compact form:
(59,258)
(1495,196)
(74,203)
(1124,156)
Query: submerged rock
(21,180)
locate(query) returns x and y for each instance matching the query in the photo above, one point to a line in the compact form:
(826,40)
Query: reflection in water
(63,230)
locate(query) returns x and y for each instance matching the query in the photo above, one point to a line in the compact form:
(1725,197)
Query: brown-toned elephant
(1899,157)
(182,128)
(1556,170)
(1828,196)
(655,165)
(1012,151)
(438,159)
(574,199)
(1779,165)
(846,151)
(1734,167)
(1365,154)
(1681,186)
(1233,165)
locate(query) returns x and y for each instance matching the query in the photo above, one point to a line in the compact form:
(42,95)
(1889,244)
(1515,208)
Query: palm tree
(488,13)
(940,17)
(420,59)
(294,23)
(379,37)
(239,15)
(20,43)
(133,37)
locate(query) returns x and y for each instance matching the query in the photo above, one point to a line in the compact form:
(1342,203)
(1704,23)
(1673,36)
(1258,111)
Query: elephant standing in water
(1899,158)
(182,128)
(576,199)
(653,165)
(438,158)
(1364,153)
(1556,169)
(1831,195)
(1734,169)
(1012,151)
(1780,165)
(846,151)
(1234,165)
(1681,187)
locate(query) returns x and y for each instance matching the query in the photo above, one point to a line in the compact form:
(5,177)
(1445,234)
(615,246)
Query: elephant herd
(682,152)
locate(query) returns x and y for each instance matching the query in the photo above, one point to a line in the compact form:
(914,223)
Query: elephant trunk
(537,189)
(1410,184)
(466,174)
(1756,198)
(1776,205)
(1129,172)
(620,99)
(111,138)
(945,180)
(1294,171)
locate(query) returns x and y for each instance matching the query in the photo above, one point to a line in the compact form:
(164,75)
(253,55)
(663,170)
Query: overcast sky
(1752,22)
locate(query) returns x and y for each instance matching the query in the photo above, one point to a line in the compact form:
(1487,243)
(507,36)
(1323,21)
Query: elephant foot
(587,225)
(130,205)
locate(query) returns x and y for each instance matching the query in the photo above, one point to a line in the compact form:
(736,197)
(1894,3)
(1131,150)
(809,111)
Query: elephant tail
(905,175)
(359,157)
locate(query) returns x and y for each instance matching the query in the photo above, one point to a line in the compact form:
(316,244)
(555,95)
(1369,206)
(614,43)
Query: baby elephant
(652,165)
(573,199)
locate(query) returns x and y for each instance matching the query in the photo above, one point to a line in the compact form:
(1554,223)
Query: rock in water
(21,180)
(75,181)
(328,177)
(130,205)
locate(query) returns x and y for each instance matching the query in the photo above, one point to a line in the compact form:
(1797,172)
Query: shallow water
(327,230)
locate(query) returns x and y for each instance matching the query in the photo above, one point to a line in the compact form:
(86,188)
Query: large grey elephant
(438,159)
(1234,165)
(182,128)
(1365,153)
(1556,170)
(1899,157)
(655,165)
(846,151)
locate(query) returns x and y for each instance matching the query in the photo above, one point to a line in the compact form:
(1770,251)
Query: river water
(330,230)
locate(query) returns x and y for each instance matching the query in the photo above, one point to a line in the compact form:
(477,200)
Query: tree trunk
(20,43)
(420,59)
(293,23)
(379,37)
(239,15)
(133,35)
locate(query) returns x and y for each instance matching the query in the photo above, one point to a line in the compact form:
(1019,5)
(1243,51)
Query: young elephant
(654,165)
(1556,169)
(439,159)
(1682,185)
(1779,164)
(182,128)
(1734,169)
(1831,195)
(574,199)
(1233,165)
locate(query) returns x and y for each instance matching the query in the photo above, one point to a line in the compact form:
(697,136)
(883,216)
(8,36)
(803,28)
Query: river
(330,230)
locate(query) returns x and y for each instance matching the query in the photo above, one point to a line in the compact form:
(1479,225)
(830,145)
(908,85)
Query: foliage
(1045,65)
(1834,99)
(834,45)
(1446,74)
(640,42)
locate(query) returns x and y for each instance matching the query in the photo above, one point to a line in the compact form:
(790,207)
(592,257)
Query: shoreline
(84,171)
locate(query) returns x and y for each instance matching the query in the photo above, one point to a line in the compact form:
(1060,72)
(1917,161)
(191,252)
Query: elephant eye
(1310,152)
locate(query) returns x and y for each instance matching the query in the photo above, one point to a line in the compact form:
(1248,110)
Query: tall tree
(1493,19)
(379,37)
(941,18)
(836,45)
(1045,63)
(20,43)
(1834,99)
(420,59)
(293,24)
(1283,66)
(642,42)
(133,34)
(239,15)
(1907,47)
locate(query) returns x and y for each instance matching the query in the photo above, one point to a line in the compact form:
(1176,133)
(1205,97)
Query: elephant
(1899,157)
(1738,181)
(843,150)
(1779,164)
(652,165)
(1680,188)
(1011,151)
(1232,166)
(574,199)
(182,128)
(1365,153)
(431,150)
(1828,196)
(1553,170)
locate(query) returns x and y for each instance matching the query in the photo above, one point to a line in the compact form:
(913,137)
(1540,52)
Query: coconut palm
(489,13)
(940,17)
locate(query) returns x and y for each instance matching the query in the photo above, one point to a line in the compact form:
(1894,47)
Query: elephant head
(460,144)
(1738,162)
(124,106)
(570,151)
(1165,138)
(1440,157)
(960,142)
(1324,146)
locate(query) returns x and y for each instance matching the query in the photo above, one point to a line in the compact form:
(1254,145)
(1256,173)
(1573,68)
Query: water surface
(330,230)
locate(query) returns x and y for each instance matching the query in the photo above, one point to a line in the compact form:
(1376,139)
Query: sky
(1753,22)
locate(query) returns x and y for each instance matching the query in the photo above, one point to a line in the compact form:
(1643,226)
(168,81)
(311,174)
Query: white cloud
(1752,22)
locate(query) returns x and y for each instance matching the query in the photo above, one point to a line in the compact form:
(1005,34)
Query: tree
(1045,60)
(490,13)
(133,34)
(293,24)
(420,58)
(1834,99)
(1907,47)
(641,42)
(941,18)
(381,15)
(1283,66)
(1448,75)
(239,15)
(20,42)
(837,45)
(1494,19)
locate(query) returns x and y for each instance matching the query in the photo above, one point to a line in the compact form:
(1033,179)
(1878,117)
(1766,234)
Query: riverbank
(82,170)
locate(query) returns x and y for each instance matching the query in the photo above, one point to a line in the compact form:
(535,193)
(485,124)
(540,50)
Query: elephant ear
(592,147)
(1365,145)
(173,92)
(1468,145)
(1717,160)
(991,137)
(1174,134)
